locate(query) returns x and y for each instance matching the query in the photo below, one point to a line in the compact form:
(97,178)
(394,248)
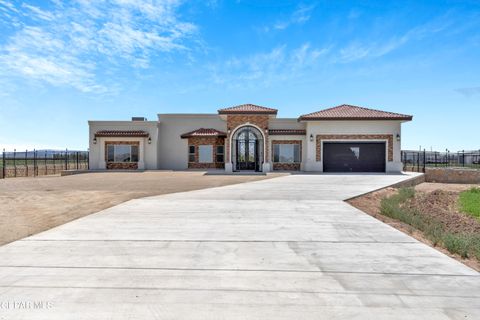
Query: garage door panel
(354,157)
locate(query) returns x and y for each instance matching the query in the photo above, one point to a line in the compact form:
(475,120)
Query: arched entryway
(247,149)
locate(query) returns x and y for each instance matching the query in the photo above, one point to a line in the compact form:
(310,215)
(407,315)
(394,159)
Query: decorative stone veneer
(287,165)
(214,141)
(234,121)
(121,165)
(365,137)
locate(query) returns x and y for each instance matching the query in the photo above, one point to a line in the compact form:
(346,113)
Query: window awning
(296,132)
(122,133)
(204,132)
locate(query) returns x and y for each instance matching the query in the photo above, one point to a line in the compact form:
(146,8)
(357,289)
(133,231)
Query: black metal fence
(41,162)
(420,160)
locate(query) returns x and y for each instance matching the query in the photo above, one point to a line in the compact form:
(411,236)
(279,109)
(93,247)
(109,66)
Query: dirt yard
(31,205)
(453,187)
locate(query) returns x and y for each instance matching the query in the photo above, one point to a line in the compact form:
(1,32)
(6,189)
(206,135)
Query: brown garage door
(354,157)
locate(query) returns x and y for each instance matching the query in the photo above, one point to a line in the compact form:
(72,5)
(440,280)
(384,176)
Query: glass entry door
(247,154)
(247,150)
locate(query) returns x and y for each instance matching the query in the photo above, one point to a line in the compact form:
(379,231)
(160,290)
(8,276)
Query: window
(191,153)
(220,154)
(122,153)
(205,154)
(286,153)
(356,152)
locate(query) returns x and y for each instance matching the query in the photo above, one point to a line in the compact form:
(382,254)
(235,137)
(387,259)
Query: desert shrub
(466,245)
(470,202)
(392,207)
(457,243)
(475,246)
(435,232)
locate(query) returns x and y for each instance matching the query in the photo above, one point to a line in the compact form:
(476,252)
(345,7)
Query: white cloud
(39,13)
(67,44)
(373,49)
(267,68)
(356,51)
(301,15)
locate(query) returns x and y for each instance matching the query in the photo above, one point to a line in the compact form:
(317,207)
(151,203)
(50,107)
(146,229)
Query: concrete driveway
(284,248)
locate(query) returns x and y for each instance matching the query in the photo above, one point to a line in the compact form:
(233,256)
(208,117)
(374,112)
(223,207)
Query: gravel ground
(31,205)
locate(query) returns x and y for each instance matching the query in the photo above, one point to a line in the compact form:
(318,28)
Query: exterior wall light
(95,140)
(149,140)
(398,137)
(311,137)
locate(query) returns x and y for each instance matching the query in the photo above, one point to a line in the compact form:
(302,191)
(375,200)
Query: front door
(247,154)
(247,145)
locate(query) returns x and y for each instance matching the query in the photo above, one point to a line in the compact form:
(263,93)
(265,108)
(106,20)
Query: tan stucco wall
(285,123)
(172,149)
(148,152)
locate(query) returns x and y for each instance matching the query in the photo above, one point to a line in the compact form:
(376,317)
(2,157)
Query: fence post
(88,160)
(76,155)
(46,168)
(402,156)
(418,161)
(463,158)
(34,163)
(3,164)
(66,159)
(424,160)
(26,163)
(14,163)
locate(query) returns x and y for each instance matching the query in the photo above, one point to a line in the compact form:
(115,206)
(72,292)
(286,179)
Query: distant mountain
(49,153)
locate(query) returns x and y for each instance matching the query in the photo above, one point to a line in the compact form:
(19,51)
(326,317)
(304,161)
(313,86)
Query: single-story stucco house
(248,137)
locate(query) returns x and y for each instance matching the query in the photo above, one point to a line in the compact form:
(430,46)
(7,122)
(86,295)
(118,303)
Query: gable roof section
(121,133)
(281,132)
(204,132)
(247,109)
(349,112)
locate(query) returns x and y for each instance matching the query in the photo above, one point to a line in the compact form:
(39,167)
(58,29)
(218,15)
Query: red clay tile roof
(204,132)
(299,132)
(247,109)
(349,112)
(121,133)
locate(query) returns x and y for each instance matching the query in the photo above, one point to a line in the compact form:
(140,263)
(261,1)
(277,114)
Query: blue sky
(64,63)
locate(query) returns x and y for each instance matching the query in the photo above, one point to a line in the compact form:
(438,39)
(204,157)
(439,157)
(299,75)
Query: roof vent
(139,119)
